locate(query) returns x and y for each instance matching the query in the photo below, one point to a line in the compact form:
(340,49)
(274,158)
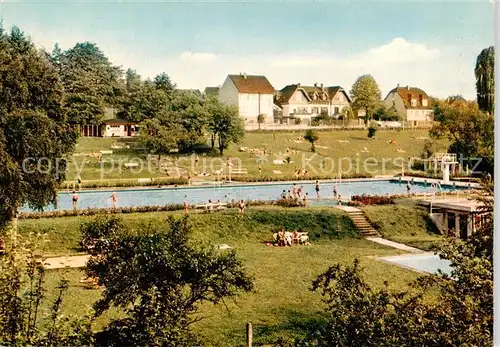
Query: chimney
(322,88)
(244,75)
(407,87)
(398,85)
(315,84)
(298,84)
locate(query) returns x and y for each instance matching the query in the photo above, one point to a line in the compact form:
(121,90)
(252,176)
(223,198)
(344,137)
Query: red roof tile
(252,84)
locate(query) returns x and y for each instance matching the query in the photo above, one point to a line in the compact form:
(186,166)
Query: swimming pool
(426,262)
(201,194)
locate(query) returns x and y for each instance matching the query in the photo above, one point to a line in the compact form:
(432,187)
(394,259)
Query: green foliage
(159,279)
(347,113)
(461,312)
(470,131)
(387,114)
(297,121)
(261,118)
(225,124)
(372,129)
(366,96)
(485,79)
(34,135)
(311,136)
(90,81)
(159,135)
(23,321)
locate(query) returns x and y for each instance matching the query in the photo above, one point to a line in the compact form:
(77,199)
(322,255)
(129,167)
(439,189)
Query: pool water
(196,195)
(429,263)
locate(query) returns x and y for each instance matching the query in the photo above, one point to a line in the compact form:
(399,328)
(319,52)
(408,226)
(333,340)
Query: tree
(311,136)
(159,279)
(470,131)
(35,138)
(366,96)
(225,125)
(460,314)
(485,79)
(23,319)
(163,82)
(90,81)
(141,101)
(261,118)
(372,129)
(384,113)
(346,114)
(159,135)
(190,113)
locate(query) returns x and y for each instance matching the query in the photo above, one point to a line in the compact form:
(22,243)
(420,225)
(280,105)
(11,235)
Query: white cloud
(401,51)
(440,72)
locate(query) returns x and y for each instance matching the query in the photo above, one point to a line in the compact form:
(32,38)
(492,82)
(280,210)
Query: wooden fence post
(249,334)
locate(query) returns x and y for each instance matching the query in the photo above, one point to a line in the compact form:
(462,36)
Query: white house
(252,94)
(111,128)
(411,102)
(307,102)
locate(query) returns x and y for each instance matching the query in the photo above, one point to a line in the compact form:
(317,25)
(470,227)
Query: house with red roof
(307,102)
(252,94)
(411,102)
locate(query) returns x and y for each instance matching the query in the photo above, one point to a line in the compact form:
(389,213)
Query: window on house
(424,102)
(414,102)
(336,110)
(324,109)
(314,110)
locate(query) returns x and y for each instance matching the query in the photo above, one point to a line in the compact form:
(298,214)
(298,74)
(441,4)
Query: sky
(430,45)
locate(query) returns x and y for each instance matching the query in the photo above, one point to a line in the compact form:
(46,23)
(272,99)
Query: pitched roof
(408,93)
(252,84)
(286,93)
(212,90)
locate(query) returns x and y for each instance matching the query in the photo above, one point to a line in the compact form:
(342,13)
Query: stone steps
(362,224)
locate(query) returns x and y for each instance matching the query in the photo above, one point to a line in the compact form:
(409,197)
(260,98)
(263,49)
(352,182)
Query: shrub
(297,121)
(372,129)
(373,199)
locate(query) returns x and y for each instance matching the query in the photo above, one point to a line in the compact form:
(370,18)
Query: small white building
(307,102)
(252,94)
(111,128)
(411,102)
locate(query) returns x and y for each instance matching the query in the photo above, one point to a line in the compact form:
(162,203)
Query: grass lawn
(404,222)
(282,302)
(279,145)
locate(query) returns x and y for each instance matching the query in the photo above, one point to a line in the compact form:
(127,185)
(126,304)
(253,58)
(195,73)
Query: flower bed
(133,209)
(372,199)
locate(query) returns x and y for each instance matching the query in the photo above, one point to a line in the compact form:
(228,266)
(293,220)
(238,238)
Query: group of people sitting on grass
(286,238)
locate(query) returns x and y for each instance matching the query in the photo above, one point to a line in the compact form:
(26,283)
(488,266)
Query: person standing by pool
(339,199)
(304,200)
(283,194)
(299,192)
(408,187)
(114,199)
(317,189)
(241,208)
(186,204)
(75,200)
(335,191)
(294,191)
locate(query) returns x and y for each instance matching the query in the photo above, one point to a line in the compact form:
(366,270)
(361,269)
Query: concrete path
(397,245)
(63,262)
